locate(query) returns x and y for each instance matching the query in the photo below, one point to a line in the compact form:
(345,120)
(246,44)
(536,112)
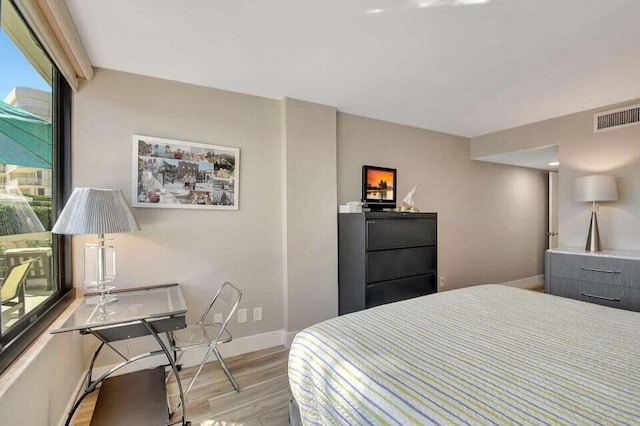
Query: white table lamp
(594,189)
(97,211)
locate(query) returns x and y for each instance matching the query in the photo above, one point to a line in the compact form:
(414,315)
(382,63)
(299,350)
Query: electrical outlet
(242,316)
(217,318)
(257,314)
(442,282)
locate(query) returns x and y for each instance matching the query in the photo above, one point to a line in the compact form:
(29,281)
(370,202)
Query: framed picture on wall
(178,174)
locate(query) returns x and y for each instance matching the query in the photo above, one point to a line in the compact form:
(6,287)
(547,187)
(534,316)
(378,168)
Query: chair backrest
(12,284)
(226,299)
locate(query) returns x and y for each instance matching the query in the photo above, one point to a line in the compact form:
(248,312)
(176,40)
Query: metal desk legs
(91,385)
(174,367)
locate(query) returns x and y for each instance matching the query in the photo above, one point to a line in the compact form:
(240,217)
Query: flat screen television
(379,187)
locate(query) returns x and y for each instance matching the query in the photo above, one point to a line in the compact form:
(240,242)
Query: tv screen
(379,187)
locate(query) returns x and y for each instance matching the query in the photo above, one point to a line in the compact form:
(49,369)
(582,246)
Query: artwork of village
(185,174)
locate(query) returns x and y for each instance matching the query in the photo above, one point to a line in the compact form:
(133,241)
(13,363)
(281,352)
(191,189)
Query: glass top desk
(146,311)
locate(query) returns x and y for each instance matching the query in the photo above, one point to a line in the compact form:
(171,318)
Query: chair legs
(225,369)
(195,376)
(213,349)
(193,379)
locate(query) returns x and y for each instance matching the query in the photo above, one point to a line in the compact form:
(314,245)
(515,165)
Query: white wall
(198,249)
(491,218)
(38,387)
(280,247)
(310,200)
(615,152)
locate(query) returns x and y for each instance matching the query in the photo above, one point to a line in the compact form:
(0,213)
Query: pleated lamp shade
(95,211)
(595,188)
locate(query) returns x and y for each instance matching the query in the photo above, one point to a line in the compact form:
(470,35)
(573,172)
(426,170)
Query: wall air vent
(616,118)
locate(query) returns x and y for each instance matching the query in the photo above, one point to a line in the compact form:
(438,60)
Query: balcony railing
(28,181)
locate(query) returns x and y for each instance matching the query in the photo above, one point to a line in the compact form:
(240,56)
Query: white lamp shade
(595,188)
(95,211)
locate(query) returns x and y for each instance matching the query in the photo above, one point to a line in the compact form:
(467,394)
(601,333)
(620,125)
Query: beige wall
(311,241)
(280,247)
(48,376)
(198,249)
(615,152)
(492,218)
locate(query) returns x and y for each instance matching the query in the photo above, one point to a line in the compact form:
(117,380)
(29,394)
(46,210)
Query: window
(34,179)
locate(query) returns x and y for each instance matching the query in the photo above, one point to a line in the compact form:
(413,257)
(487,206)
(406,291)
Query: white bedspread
(488,354)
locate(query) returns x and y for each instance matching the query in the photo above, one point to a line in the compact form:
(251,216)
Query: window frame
(36,321)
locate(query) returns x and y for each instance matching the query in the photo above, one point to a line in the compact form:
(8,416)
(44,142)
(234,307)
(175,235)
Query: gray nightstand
(610,277)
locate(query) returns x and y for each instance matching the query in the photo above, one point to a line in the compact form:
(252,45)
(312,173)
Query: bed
(487,354)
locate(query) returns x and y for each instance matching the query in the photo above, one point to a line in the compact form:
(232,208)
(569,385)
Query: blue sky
(15,70)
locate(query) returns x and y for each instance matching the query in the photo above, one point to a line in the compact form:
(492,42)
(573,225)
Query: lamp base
(593,238)
(105,296)
(99,300)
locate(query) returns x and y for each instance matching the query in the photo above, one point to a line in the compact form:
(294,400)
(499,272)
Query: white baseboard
(526,283)
(193,357)
(253,343)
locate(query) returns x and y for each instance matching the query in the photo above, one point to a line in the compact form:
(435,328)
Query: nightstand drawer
(601,294)
(564,287)
(605,270)
(610,295)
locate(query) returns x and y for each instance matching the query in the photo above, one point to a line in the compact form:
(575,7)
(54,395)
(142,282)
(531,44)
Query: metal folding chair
(208,333)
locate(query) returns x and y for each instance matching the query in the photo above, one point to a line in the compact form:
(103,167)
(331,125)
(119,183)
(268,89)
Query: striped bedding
(488,354)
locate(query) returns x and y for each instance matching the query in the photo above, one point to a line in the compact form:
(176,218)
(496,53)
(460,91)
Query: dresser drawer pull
(604,271)
(610,299)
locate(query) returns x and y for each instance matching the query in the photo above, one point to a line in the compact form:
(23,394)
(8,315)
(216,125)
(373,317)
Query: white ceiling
(466,67)
(543,158)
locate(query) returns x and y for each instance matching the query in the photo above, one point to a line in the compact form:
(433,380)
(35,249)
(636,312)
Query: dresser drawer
(606,270)
(400,263)
(400,232)
(393,291)
(601,294)
(565,287)
(611,295)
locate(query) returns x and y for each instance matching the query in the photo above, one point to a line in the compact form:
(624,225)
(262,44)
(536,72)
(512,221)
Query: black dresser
(385,257)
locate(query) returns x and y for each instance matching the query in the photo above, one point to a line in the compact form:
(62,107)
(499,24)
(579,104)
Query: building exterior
(37,102)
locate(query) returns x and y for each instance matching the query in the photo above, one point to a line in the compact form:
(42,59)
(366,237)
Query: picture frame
(177,174)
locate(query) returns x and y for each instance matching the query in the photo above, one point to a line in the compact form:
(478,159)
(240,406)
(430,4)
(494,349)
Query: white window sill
(22,363)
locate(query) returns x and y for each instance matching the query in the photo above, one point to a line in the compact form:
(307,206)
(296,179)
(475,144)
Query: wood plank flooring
(262,401)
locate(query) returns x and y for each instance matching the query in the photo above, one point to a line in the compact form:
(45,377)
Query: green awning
(25,139)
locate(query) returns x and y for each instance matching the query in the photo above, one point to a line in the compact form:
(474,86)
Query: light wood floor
(262,401)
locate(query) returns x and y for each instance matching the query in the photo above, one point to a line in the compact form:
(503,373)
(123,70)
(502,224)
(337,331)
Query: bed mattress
(487,354)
